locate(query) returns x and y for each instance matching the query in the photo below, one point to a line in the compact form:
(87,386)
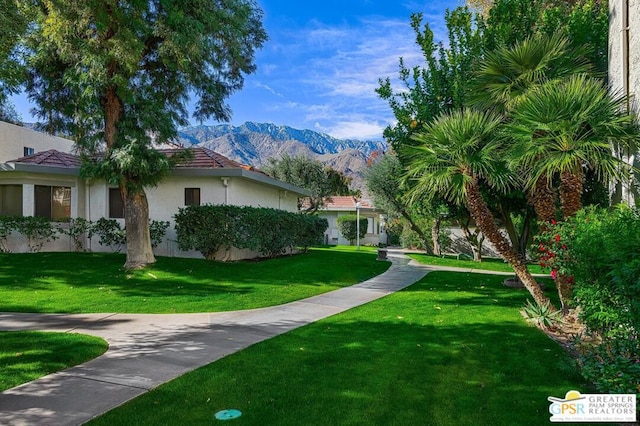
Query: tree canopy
(119,77)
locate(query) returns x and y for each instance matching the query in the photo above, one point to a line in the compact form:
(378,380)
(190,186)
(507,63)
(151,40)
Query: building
(624,63)
(336,206)
(47,183)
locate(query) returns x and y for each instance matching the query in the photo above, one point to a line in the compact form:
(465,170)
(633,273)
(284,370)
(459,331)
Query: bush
(38,231)
(76,229)
(157,231)
(209,228)
(7,226)
(348,226)
(601,251)
(111,233)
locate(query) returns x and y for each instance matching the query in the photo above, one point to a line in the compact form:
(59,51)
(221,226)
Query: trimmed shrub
(348,226)
(157,231)
(76,229)
(209,228)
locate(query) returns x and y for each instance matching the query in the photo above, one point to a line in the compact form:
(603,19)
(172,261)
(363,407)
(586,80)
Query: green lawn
(96,282)
(452,349)
(27,355)
(487,264)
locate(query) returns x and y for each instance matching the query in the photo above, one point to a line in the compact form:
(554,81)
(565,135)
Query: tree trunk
(136,220)
(485,221)
(435,237)
(543,200)
(571,192)
(474,240)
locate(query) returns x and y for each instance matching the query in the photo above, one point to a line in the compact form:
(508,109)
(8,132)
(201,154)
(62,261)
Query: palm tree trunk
(486,222)
(571,185)
(543,201)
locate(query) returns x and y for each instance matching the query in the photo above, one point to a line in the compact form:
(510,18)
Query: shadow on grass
(345,370)
(46,276)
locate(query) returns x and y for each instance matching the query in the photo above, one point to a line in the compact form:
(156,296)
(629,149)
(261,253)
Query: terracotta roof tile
(51,158)
(204,158)
(342,202)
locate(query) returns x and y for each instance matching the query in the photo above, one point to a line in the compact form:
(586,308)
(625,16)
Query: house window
(116,206)
(192,196)
(10,200)
(53,202)
(28,151)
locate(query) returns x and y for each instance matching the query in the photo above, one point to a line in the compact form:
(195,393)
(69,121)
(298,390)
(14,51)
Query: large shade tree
(458,152)
(13,24)
(120,76)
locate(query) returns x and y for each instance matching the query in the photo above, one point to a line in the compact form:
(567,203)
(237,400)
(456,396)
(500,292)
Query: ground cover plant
(96,282)
(452,349)
(487,264)
(27,355)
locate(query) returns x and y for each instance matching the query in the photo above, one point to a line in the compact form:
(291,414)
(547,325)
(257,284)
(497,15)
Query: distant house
(624,55)
(47,183)
(336,206)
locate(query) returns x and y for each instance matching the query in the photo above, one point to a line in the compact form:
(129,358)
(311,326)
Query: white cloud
(355,130)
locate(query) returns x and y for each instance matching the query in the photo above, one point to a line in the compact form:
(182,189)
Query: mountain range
(255,143)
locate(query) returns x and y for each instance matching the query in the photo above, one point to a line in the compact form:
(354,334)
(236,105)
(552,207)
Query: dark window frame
(192,196)
(116,204)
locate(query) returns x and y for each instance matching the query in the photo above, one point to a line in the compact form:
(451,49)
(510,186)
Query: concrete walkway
(148,350)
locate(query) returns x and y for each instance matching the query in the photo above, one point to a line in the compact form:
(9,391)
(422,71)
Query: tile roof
(204,158)
(345,202)
(51,158)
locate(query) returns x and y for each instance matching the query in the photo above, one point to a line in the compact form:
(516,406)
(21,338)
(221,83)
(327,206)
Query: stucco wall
(13,140)
(332,235)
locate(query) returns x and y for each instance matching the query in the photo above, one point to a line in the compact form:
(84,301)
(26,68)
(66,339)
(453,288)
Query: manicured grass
(452,349)
(96,282)
(27,355)
(487,264)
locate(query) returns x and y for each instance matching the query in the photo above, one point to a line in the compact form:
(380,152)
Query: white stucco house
(624,58)
(46,182)
(336,206)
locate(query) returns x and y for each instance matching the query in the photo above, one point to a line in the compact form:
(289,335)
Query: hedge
(208,228)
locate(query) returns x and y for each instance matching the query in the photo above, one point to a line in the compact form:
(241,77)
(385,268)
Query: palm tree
(562,128)
(457,153)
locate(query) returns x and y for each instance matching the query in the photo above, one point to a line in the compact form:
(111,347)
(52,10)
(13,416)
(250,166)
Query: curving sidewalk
(146,350)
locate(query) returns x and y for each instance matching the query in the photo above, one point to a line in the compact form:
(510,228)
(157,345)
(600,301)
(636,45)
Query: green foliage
(348,226)
(209,228)
(157,230)
(311,175)
(13,24)
(544,316)
(78,229)
(613,366)
(607,274)
(601,250)
(110,233)
(38,231)
(7,226)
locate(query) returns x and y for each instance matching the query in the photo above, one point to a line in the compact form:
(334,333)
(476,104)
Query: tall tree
(13,24)
(120,76)
(382,179)
(458,152)
(309,174)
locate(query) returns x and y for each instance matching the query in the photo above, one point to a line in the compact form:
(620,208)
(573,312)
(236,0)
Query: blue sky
(322,62)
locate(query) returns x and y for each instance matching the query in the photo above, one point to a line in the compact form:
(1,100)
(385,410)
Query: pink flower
(557,238)
(554,274)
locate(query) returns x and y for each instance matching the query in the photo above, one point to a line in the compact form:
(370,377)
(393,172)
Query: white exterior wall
(13,140)
(332,235)
(624,54)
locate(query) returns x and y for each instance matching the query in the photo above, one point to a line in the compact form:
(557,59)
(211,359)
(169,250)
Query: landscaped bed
(96,282)
(452,349)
